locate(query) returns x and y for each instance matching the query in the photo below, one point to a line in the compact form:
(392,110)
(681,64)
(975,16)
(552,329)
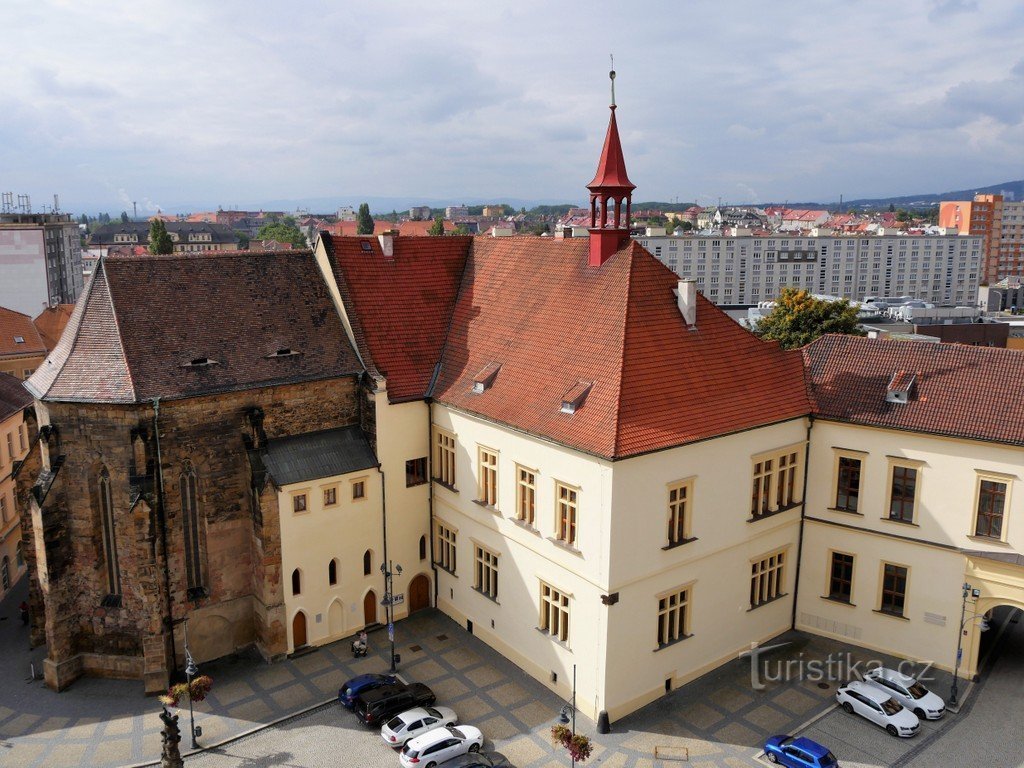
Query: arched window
(19,554)
(332,572)
(190,526)
(113,570)
(5,572)
(367,558)
(296,582)
(423,547)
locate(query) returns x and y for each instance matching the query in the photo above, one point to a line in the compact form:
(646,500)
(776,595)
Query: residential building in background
(14,444)
(1000,222)
(22,348)
(419,212)
(186,235)
(40,260)
(747,269)
(453,212)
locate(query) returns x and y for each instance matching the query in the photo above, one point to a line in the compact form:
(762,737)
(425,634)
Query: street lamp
(191,670)
(569,711)
(964,621)
(389,572)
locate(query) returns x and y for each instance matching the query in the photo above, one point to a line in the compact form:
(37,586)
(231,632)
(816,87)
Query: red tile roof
(351,228)
(399,306)
(13,396)
(143,321)
(959,391)
(15,325)
(534,306)
(51,323)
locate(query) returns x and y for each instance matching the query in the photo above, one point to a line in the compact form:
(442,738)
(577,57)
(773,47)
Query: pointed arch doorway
(370,608)
(299,630)
(419,593)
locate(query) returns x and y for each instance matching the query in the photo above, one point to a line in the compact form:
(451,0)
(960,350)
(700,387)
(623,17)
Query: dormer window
(573,400)
(201,362)
(365,244)
(900,387)
(19,339)
(284,352)
(483,380)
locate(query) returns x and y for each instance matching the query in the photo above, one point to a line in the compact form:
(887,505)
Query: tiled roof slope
(402,303)
(51,323)
(13,396)
(959,391)
(534,306)
(144,319)
(15,325)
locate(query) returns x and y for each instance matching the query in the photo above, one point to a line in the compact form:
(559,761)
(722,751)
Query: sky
(191,104)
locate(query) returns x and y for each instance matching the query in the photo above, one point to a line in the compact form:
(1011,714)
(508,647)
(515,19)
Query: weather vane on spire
(612,76)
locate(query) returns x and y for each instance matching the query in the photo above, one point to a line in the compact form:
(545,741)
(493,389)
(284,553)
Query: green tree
(892,208)
(159,240)
(282,233)
(365,220)
(798,319)
(437,229)
(460,229)
(243,238)
(83,219)
(124,217)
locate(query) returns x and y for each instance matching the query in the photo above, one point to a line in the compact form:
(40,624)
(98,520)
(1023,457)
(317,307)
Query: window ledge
(677,641)
(667,547)
(485,505)
(485,594)
(525,526)
(565,546)
(911,523)
(982,539)
(451,488)
(413,485)
(890,614)
(838,601)
(772,513)
(845,511)
(768,602)
(447,570)
(555,640)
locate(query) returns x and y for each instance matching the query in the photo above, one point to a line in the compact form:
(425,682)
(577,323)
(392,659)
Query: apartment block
(747,269)
(1000,222)
(41,261)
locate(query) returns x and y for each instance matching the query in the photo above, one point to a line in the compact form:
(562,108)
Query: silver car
(397,731)
(908,692)
(879,707)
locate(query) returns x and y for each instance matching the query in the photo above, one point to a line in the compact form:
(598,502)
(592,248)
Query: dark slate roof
(13,396)
(317,455)
(219,233)
(958,390)
(144,320)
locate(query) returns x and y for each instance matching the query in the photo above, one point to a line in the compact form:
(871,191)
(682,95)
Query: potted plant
(577,745)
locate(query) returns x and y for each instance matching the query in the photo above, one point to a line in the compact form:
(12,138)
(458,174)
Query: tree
(159,240)
(798,319)
(365,220)
(437,229)
(892,208)
(460,229)
(243,238)
(282,233)
(124,217)
(83,219)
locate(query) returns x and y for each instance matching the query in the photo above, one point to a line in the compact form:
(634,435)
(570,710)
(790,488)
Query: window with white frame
(444,550)
(444,458)
(566,500)
(526,495)
(767,578)
(485,576)
(673,617)
(487,491)
(554,612)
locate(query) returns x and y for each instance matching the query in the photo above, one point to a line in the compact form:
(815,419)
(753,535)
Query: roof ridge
(347,309)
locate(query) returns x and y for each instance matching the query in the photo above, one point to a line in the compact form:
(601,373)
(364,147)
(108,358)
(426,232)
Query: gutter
(162,520)
(803,517)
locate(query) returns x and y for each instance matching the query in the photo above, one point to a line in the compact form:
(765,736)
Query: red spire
(611,170)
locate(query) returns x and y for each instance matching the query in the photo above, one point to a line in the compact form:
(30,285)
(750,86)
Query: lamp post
(191,670)
(964,620)
(569,709)
(389,572)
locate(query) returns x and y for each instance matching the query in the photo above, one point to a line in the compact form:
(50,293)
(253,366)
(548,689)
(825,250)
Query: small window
(894,589)
(415,472)
(848,484)
(565,514)
(367,562)
(902,493)
(423,547)
(299,502)
(840,584)
(485,576)
(330,496)
(358,490)
(332,572)
(19,339)
(991,506)
(296,582)
(673,617)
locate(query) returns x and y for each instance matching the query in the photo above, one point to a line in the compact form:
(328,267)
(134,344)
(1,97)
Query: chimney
(387,244)
(686,299)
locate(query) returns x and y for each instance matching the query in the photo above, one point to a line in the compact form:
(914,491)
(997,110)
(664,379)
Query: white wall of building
(23,266)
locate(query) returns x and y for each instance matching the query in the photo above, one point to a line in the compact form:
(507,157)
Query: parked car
(379,705)
(479,760)
(415,722)
(798,753)
(879,707)
(348,692)
(908,692)
(437,746)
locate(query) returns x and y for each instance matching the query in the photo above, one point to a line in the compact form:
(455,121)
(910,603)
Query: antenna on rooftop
(24,204)
(6,202)
(56,204)
(612,76)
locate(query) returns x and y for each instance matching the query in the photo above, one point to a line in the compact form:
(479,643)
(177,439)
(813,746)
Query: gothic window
(113,571)
(296,582)
(367,560)
(5,572)
(332,572)
(190,525)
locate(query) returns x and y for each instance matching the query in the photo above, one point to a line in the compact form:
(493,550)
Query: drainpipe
(162,520)
(803,515)
(430,492)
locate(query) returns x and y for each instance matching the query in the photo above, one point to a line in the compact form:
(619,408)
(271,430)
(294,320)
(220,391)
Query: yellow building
(22,349)
(14,443)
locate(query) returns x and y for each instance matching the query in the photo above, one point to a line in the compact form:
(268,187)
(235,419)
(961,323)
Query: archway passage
(370,608)
(419,593)
(299,630)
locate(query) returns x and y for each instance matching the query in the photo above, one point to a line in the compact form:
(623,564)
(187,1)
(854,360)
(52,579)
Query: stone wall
(89,632)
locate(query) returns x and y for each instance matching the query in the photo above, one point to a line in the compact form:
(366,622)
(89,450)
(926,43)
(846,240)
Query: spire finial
(612,76)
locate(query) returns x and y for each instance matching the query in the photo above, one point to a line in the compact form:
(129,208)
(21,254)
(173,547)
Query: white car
(908,692)
(415,722)
(879,707)
(434,747)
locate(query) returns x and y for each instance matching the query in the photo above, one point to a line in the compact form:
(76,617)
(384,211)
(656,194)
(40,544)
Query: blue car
(798,753)
(348,692)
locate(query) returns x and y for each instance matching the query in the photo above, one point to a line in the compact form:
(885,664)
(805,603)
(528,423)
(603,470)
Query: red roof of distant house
(351,228)
(421,228)
(611,169)
(51,323)
(958,390)
(14,326)
(534,306)
(399,306)
(269,245)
